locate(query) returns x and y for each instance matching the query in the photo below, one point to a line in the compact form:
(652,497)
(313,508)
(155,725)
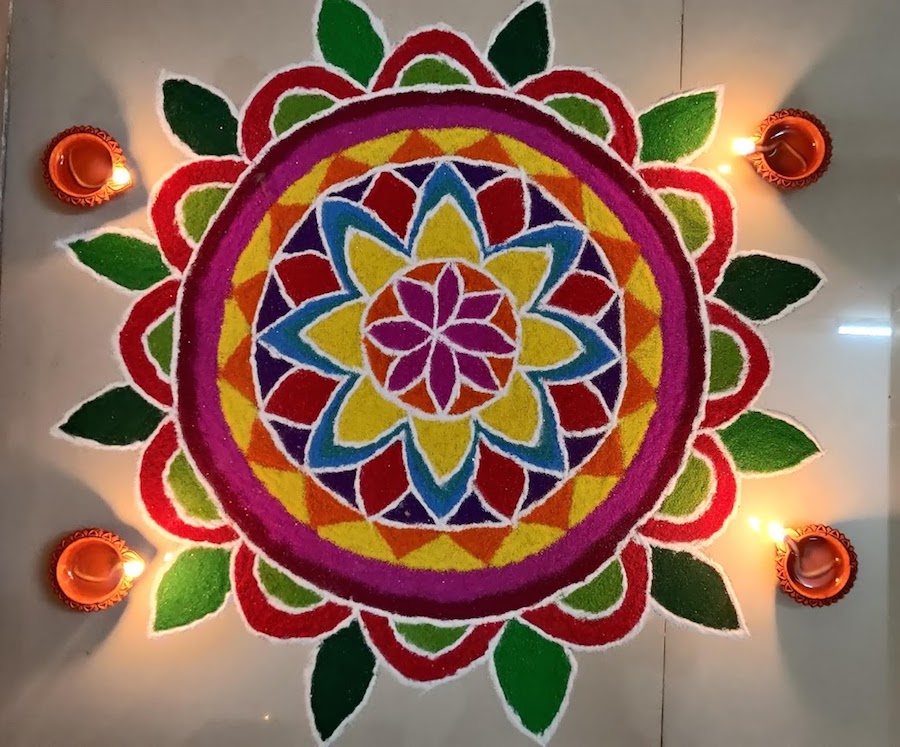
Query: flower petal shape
(365,415)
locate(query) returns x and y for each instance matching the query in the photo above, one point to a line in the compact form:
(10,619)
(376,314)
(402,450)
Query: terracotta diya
(816,565)
(93,569)
(85,166)
(792,149)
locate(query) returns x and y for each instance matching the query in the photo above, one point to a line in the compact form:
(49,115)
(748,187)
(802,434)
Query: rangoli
(441,357)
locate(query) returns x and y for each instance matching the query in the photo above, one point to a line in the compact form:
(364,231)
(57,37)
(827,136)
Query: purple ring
(261,518)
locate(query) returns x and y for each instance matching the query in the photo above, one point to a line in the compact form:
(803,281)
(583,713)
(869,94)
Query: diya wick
(93,569)
(791,149)
(85,167)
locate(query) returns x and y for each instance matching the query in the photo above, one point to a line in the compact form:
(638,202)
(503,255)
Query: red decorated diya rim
(796,165)
(87,570)
(826,584)
(85,166)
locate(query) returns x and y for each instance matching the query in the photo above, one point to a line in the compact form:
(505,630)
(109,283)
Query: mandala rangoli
(441,357)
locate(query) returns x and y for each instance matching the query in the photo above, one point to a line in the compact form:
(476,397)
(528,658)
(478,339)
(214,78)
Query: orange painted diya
(93,569)
(816,566)
(85,166)
(793,149)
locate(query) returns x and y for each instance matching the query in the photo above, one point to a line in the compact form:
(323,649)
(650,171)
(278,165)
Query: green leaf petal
(299,107)
(432,70)
(693,590)
(691,489)
(348,37)
(199,207)
(759,442)
(284,589)
(763,288)
(194,586)
(159,343)
(599,594)
(189,491)
(693,225)
(341,679)
(521,47)
(726,362)
(124,259)
(678,128)
(117,417)
(534,675)
(582,113)
(430,638)
(200,118)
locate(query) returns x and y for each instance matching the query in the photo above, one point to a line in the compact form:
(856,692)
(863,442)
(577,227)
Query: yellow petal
(358,537)
(517,414)
(648,356)
(338,334)
(444,443)
(240,413)
(520,271)
(378,151)
(531,160)
(306,188)
(372,263)
(642,286)
(442,554)
(546,344)
(527,540)
(234,329)
(288,487)
(365,415)
(257,255)
(447,234)
(589,492)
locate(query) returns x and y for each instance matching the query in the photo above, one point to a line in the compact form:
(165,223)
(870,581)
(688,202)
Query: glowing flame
(776,531)
(168,556)
(743,146)
(133,568)
(724,168)
(755,523)
(121,177)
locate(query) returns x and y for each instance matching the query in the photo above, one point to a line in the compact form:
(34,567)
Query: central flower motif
(452,338)
(443,336)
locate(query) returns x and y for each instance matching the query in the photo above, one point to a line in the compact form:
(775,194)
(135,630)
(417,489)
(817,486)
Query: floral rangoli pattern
(441,357)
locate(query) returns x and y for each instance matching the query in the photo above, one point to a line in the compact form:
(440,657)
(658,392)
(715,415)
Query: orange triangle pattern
(384,306)
(555,510)
(283,219)
(247,295)
(567,190)
(237,371)
(379,362)
(482,542)
(639,322)
(262,449)
(324,509)
(622,255)
(469,399)
(608,461)
(505,319)
(638,392)
(342,169)
(427,273)
(419,398)
(404,541)
(416,146)
(489,150)
(502,368)
(474,281)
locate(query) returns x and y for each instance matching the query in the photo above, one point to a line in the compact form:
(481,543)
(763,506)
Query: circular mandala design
(475,337)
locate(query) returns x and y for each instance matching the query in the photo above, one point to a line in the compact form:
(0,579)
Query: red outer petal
(163,204)
(146,310)
(502,206)
(271,621)
(420,668)
(624,140)
(256,123)
(156,500)
(720,410)
(602,631)
(711,261)
(430,43)
(720,506)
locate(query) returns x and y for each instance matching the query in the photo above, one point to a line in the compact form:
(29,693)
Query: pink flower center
(442,338)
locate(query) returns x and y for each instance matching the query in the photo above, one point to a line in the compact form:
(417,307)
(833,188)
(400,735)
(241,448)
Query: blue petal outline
(596,355)
(283,337)
(337,217)
(442,498)
(445,181)
(563,240)
(323,453)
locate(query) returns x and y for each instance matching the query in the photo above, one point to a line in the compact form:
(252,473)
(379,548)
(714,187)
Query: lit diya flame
(93,569)
(85,166)
(816,565)
(791,149)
